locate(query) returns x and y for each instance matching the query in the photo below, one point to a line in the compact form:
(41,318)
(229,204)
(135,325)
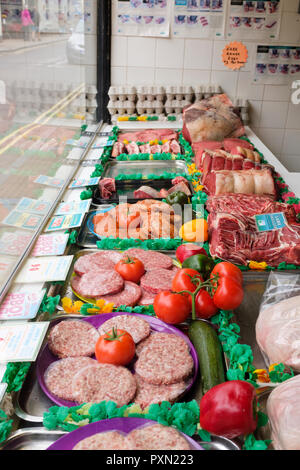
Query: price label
(235,55)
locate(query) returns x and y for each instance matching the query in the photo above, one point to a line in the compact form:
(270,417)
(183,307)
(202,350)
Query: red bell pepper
(229,409)
(188,249)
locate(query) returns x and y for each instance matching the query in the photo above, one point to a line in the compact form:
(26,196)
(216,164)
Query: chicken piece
(118,149)
(132,148)
(278,332)
(166,147)
(175,147)
(146,148)
(283,409)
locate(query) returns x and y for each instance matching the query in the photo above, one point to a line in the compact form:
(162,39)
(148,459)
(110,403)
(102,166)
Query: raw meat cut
(157,280)
(221,160)
(132,148)
(112,440)
(129,296)
(235,238)
(137,327)
(278,332)
(230,144)
(163,363)
(148,135)
(147,394)
(157,437)
(146,148)
(59,375)
(118,149)
(245,205)
(241,181)
(100,382)
(99,283)
(182,187)
(107,187)
(145,192)
(211,119)
(72,338)
(150,259)
(175,147)
(283,410)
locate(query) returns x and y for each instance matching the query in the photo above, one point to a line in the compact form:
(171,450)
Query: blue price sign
(269,222)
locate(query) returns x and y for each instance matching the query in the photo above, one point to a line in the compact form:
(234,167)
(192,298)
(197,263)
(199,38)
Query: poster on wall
(259,19)
(141,17)
(277,65)
(199,18)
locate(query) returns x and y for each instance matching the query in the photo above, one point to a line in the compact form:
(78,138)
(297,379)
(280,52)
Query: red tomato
(226,269)
(131,269)
(172,308)
(229,294)
(205,307)
(183,280)
(185,251)
(115,347)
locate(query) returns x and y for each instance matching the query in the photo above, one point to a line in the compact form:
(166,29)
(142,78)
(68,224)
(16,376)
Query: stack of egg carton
(36,97)
(156,100)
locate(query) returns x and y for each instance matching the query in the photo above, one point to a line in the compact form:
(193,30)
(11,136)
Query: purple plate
(123,425)
(46,357)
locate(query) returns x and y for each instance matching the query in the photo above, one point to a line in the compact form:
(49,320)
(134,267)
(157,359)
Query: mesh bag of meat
(214,118)
(278,323)
(283,409)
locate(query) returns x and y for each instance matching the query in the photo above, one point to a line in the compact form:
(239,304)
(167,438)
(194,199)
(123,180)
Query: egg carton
(122,94)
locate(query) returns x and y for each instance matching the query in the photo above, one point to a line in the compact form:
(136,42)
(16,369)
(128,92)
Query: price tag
(23,220)
(33,206)
(65,222)
(235,55)
(21,342)
(73,207)
(49,181)
(270,222)
(21,305)
(83,183)
(51,245)
(47,269)
(14,243)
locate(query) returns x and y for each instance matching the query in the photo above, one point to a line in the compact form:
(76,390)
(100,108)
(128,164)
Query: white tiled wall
(274,118)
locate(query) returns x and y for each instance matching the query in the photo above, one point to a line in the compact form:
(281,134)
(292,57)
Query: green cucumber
(209,352)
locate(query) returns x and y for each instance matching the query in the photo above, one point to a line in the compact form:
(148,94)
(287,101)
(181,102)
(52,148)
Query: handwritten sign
(235,55)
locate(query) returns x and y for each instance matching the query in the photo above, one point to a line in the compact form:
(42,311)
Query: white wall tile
(227,80)
(255,113)
(272,138)
(140,76)
(291,5)
(293,119)
(169,53)
(217,63)
(168,77)
(196,77)
(277,93)
(141,52)
(291,162)
(119,51)
(273,114)
(291,142)
(290,28)
(247,89)
(198,54)
(118,76)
